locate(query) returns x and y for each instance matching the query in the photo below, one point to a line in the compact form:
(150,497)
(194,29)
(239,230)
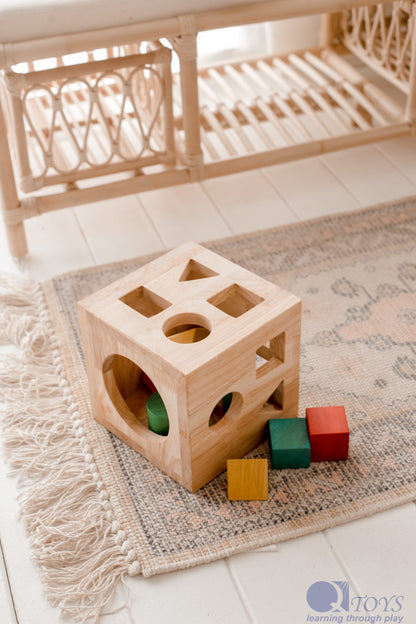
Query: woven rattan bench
(106,101)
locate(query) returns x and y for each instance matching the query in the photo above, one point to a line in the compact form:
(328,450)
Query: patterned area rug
(95,509)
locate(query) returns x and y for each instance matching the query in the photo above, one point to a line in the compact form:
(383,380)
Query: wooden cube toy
(289,443)
(242,354)
(328,433)
(247,479)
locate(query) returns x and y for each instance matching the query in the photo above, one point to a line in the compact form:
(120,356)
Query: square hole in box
(270,355)
(235,300)
(145,301)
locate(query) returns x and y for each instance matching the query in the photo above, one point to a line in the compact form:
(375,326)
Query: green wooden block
(157,415)
(289,443)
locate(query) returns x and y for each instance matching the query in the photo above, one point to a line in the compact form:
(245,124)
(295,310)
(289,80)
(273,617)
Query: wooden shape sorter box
(246,345)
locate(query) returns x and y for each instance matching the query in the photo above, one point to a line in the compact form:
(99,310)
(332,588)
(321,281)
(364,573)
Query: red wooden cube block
(328,433)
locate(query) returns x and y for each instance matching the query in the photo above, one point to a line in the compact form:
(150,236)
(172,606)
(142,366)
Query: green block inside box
(157,415)
(289,443)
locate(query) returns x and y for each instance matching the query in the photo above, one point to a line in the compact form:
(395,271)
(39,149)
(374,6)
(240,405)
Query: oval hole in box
(225,409)
(129,388)
(187,328)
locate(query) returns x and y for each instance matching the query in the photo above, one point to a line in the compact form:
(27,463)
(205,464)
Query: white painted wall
(292,34)
(242,42)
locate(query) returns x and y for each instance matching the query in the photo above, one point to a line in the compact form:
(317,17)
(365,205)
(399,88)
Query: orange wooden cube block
(328,433)
(247,479)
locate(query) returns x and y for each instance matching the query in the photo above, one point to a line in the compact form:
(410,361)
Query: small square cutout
(145,301)
(235,300)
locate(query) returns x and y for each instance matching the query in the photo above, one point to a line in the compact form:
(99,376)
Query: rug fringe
(76,540)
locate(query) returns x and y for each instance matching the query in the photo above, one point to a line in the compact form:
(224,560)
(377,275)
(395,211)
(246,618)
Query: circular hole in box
(129,389)
(187,328)
(228,407)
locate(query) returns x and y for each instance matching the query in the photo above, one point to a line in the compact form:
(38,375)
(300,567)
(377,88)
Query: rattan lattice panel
(381,36)
(97,118)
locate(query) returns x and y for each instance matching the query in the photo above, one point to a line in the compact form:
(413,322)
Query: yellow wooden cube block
(247,479)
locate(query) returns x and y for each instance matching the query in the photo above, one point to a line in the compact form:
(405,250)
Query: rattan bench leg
(185,46)
(8,196)
(327,29)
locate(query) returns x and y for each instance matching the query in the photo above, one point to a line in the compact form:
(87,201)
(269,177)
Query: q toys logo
(329,597)
(331,602)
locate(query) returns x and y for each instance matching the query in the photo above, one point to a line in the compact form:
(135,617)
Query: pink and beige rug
(96,510)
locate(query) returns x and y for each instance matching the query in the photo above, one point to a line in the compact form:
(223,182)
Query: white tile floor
(376,555)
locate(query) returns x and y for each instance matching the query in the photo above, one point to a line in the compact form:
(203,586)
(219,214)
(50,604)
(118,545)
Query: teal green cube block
(289,443)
